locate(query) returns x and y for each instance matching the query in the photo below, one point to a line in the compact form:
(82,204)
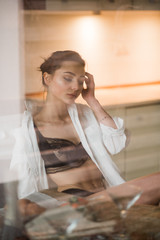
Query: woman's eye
(67,79)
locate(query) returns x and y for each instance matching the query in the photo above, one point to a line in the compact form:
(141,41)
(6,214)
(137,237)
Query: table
(99,219)
(142,221)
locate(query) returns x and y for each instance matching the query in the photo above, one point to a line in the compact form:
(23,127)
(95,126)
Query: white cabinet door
(141,162)
(142,155)
(143,117)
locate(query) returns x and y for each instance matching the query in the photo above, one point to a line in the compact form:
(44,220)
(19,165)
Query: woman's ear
(47,78)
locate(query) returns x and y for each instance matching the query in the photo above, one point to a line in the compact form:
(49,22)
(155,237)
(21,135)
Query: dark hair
(54,62)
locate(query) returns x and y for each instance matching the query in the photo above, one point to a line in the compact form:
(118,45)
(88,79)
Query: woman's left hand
(88,93)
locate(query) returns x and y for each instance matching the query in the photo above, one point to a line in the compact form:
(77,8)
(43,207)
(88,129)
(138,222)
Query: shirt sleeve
(114,139)
(20,164)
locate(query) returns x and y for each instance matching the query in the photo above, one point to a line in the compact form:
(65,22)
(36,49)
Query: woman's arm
(88,95)
(113,132)
(149,185)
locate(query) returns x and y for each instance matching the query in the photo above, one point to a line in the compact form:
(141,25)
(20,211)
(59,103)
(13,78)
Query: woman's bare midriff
(87,177)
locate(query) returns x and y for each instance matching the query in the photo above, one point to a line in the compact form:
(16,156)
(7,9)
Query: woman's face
(66,83)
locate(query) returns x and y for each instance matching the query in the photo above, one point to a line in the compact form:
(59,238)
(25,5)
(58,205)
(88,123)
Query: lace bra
(60,154)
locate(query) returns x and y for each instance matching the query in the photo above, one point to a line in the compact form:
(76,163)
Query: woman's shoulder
(33,106)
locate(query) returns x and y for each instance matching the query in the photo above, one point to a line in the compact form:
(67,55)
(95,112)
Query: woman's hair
(54,62)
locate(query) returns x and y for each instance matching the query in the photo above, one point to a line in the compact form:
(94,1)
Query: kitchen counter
(128,96)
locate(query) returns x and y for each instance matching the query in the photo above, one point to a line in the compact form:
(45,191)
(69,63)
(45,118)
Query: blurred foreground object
(65,222)
(13,226)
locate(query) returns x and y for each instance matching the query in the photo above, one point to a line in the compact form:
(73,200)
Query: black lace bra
(60,154)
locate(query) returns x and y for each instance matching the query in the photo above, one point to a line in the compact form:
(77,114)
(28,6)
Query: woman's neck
(54,110)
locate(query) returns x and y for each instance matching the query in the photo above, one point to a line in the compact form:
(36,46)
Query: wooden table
(142,221)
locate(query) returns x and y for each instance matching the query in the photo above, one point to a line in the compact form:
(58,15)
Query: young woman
(65,143)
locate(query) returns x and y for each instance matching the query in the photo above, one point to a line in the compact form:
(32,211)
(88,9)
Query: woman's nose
(75,85)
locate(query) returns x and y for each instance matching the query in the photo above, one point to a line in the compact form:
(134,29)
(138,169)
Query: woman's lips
(72,95)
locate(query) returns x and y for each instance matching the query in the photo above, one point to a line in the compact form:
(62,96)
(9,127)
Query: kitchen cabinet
(91,5)
(142,155)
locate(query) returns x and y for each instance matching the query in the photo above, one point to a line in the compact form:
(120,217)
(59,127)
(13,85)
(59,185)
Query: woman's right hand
(88,92)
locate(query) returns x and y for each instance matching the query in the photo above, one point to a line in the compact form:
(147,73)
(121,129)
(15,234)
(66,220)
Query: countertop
(128,96)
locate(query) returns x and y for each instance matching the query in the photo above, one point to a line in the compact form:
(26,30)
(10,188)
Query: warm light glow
(89,28)
(89,31)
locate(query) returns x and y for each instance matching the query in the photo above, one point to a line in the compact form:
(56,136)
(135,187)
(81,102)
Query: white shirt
(99,141)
